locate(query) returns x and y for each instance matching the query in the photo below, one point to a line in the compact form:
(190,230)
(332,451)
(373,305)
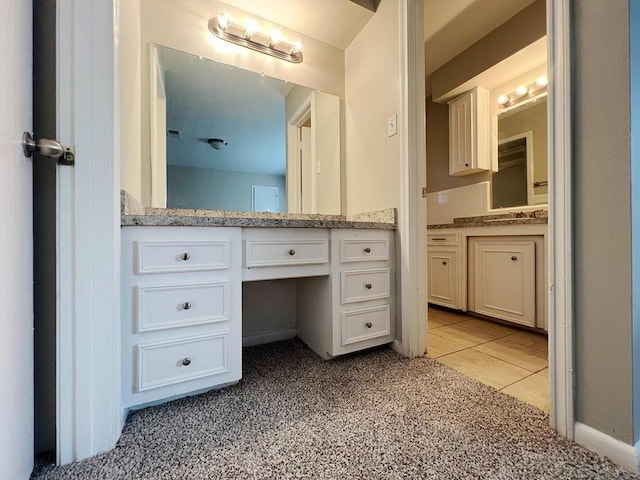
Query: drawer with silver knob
(363,285)
(364,250)
(285,252)
(167,306)
(163,257)
(364,324)
(160,364)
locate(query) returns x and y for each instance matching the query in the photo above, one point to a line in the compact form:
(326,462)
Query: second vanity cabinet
(497,271)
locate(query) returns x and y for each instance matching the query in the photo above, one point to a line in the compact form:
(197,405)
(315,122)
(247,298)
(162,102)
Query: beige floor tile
(533,389)
(487,326)
(520,355)
(435,322)
(446,316)
(471,337)
(532,340)
(439,346)
(485,368)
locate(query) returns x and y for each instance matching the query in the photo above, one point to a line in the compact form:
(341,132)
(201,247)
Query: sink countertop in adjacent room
(135,214)
(511,218)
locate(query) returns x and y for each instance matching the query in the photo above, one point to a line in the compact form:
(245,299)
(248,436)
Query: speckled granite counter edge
(513,218)
(134,214)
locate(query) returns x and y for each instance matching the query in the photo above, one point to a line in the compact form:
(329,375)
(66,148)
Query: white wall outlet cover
(392,125)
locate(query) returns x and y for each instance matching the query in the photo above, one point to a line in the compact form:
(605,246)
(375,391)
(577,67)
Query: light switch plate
(392,125)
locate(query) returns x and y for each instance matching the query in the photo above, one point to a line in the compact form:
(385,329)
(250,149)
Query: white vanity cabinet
(443,274)
(469,133)
(181,311)
(503,276)
(354,308)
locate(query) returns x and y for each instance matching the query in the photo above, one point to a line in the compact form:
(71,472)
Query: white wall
(268,311)
(189,187)
(130,97)
(166,23)
(372,94)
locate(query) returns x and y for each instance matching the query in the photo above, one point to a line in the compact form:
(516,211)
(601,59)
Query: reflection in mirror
(521,178)
(227,137)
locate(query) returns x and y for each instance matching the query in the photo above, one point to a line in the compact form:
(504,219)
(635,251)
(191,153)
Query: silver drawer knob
(186,306)
(368,325)
(185,256)
(292,252)
(368,286)
(367,250)
(186,361)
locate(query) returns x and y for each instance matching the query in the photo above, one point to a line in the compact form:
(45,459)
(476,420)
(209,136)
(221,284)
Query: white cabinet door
(469,132)
(442,274)
(504,280)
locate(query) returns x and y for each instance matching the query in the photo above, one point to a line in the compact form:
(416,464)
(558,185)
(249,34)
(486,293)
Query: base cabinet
(504,279)
(442,268)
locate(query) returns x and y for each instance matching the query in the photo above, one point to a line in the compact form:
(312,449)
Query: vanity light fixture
(524,92)
(247,36)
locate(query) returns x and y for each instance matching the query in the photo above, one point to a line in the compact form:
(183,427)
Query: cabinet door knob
(186,306)
(292,252)
(466,164)
(367,250)
(514,258)
(368,286)
(186,361)
(368,325)
(185,256)
(444,263)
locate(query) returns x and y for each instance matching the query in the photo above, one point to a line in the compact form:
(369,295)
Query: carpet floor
(373,415)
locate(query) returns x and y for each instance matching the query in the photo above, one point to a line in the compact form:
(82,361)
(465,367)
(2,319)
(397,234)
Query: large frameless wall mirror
(521,176)
(242,141)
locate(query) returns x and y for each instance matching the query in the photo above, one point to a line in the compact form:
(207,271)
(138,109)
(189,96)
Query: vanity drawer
(285,252)
(362,250)
(163,257)
(360,325)
(167,306)
(442,238)
(362,285)
(166,363)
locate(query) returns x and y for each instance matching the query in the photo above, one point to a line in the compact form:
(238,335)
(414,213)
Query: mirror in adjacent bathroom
(230,131)
(521,178)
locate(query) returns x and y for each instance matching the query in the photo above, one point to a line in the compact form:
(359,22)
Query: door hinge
(48,148)
(424,192)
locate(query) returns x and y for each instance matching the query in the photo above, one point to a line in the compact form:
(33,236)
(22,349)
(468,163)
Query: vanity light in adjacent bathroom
(248,36)
(524,92)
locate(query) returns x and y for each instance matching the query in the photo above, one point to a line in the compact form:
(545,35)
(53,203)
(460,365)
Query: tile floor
(511,360)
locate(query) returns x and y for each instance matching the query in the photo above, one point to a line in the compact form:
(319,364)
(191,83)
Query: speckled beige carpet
(374,415)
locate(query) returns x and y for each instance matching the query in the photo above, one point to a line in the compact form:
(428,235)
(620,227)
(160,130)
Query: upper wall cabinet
(469,133)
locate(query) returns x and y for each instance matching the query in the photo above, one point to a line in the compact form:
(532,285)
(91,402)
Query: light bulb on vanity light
(503,100)
(297,46)
(223,20)
(542,81)
(250,28)
(522,90)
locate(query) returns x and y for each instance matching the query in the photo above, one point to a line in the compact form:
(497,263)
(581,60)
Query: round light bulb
(223,20)
(250,27)
(542,81)
(276,36)
(522,90)
(297,46)
(503,100)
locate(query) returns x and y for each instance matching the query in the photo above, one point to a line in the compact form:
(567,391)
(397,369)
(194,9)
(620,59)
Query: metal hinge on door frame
(424,192)
(48,148)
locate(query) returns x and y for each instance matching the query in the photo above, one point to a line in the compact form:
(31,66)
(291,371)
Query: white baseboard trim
(615,450)
(398,347)
(268,337)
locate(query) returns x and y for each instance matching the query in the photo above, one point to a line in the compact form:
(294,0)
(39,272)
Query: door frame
(293,177)
(89,418)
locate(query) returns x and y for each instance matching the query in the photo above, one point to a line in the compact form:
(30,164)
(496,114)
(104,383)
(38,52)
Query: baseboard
(398,347)
(615,450)
(268,337)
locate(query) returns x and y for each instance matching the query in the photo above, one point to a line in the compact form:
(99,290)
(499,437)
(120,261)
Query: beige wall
(372,87)
(438,177)
(520,31)
(602,217)
(165,23)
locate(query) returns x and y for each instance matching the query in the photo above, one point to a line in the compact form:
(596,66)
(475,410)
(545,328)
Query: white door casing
(16,238)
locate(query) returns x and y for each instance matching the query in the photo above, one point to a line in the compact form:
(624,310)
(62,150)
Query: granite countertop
(135,214)
(511,218)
